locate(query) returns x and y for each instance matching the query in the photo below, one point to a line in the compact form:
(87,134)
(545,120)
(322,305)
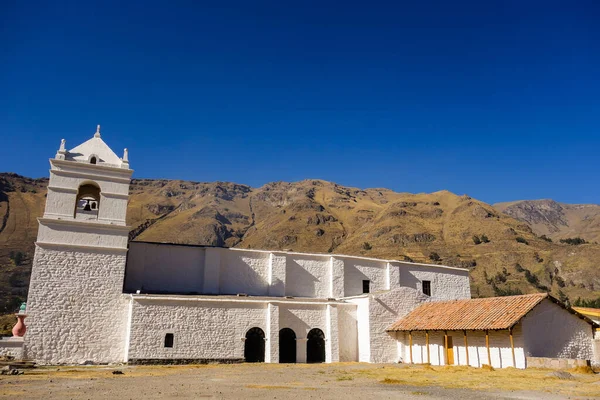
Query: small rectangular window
(366,286)
(169,340)
(427,288)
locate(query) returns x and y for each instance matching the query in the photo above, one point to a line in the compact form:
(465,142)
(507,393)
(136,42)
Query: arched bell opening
(287,346)
(254,345)
(315,346)
(87,204)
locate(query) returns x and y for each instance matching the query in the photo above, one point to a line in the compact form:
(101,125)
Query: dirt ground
(290,381)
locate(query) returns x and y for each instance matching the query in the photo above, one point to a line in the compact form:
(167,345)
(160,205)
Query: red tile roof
(473,314)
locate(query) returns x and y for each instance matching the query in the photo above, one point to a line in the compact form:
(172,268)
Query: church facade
(96,297)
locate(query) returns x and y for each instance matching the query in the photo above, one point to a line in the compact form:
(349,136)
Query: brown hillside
(320,216)
(557,220)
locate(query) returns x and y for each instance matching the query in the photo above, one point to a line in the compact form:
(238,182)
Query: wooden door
(449,351)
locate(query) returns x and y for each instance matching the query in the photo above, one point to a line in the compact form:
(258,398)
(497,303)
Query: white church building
(96,297)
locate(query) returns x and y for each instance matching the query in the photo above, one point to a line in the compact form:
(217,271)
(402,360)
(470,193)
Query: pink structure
(19,329)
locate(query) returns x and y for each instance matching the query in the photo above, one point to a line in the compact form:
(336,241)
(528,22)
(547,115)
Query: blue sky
(496,99)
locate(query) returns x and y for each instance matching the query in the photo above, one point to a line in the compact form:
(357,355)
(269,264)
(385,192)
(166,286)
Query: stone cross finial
(97,134)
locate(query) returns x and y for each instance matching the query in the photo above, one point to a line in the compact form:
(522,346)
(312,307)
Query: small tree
(476,239)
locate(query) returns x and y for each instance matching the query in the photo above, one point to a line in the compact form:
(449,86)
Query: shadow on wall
(299,282)
(238,276)
(293,322)
(353,280)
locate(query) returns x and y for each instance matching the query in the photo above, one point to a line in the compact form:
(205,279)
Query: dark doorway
(315,347)
(287,346)
(254,346)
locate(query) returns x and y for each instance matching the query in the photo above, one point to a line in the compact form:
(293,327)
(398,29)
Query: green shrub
(367,246)
(433,256)
(519,268)
(476,239)
(546,238)
(521,239)
(485,239)
(17,257)
(573,241)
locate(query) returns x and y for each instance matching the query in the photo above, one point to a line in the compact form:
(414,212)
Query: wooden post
(512,347)
(427,344)
(487,345)
(410,345)
(446,347)
(466,347)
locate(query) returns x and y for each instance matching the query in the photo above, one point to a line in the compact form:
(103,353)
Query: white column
(336,278)
(277,265)
(301,350)
(272,334)
(332,350)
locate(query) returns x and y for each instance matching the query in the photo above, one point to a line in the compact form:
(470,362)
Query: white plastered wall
(447,283)
(500,348)
(307,276)
(215,328)
(153,267)
(551,331)
(383,310)
(202,330)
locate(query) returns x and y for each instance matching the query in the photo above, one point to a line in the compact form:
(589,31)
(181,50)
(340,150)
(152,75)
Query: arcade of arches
(254,346)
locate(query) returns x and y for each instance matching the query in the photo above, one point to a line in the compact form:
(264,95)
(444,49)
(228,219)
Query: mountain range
(509,248)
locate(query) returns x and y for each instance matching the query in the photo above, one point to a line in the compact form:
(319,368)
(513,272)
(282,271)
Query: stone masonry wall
(76,310)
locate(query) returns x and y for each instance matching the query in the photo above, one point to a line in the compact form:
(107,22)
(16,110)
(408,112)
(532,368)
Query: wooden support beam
(512,347)
(487,345)
(446,347)
(410,345)
(466,347)
(427,344)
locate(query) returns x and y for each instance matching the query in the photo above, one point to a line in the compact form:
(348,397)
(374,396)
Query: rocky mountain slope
(504,254)
(556,220)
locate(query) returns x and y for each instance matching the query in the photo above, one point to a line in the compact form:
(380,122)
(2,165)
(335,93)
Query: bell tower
(75,303)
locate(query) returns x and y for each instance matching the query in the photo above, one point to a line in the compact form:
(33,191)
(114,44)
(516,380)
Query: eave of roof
(495,313)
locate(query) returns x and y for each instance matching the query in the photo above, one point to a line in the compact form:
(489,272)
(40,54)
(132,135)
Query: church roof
(94,147)
(492,313)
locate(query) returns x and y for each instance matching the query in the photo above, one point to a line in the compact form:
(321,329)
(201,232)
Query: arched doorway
(287,346)
(254,345)
(315,347)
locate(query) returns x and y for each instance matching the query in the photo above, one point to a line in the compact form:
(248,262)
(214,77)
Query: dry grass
(273,377)
(509,379)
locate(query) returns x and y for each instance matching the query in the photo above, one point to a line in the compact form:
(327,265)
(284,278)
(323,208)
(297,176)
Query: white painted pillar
(388,268)
(272,334)
(212,270)
(277,266)
(336,278)
(301,350)
(332,349)
(393,275)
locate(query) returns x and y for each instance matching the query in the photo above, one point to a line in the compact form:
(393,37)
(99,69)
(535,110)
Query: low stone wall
(555,363)
(11,347)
